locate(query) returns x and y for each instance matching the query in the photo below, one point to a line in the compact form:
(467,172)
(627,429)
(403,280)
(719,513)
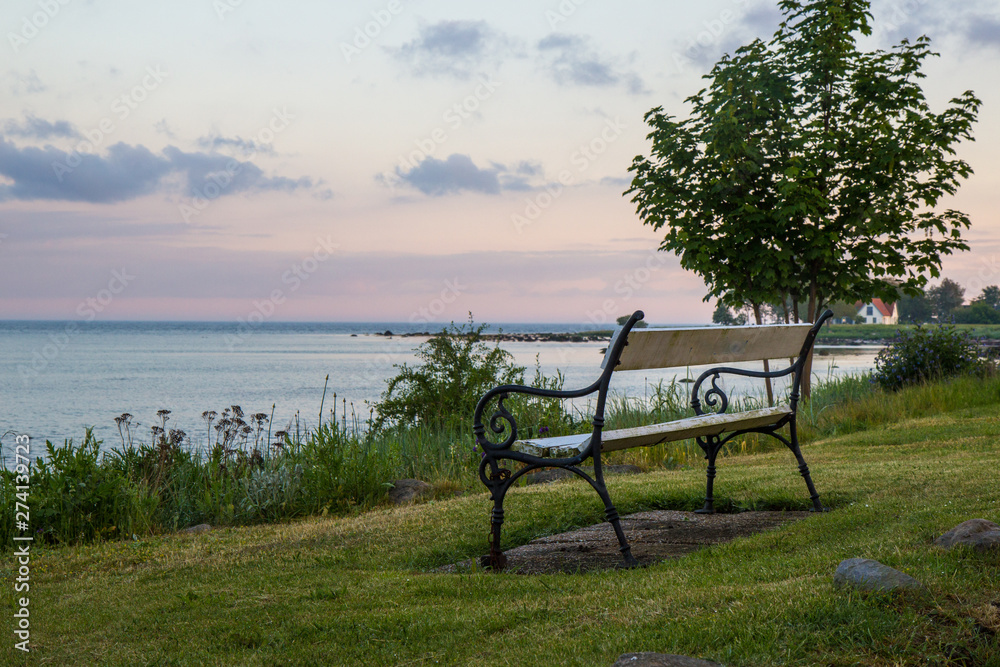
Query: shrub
(75,498)
(458,367)
(923,354)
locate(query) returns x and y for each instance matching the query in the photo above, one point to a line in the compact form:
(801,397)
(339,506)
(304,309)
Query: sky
(387,160)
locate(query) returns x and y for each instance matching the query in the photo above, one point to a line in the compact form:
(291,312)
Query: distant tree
(915,309)
(990,296)
(844,311)
(641,324)
(724,316)
(945,298)
(978,313)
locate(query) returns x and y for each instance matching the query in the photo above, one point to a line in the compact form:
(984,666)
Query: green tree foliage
(977,313)
(458,368)
(641,324)
(945,298)
(990,296)
(809,170)
(844,311)
(724,316)
(915,308)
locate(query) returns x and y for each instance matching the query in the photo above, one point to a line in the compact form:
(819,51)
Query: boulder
(979,534)
(870,575)
(661,660)
(409,490)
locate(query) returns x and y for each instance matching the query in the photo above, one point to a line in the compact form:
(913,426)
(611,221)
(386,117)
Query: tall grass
(81,493)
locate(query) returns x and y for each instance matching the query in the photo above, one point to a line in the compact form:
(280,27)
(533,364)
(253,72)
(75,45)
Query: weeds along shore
(244,473)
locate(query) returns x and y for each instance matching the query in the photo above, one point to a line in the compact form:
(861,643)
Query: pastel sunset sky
(384,160)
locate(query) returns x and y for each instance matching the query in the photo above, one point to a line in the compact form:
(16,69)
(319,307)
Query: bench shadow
(655,536)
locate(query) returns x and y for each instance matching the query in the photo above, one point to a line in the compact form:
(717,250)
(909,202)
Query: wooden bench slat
(675,348)
(646,436)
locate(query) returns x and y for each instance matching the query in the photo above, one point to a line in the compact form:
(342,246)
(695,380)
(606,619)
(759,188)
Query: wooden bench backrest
(674,348)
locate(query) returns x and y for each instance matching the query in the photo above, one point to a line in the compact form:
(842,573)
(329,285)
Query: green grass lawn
(361,590)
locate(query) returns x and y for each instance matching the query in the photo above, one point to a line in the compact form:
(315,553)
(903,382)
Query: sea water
(59,378)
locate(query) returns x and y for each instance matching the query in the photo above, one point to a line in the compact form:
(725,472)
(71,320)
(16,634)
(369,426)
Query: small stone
(661,660)
(870,575)
(197,530)
(979,534)
(409,490)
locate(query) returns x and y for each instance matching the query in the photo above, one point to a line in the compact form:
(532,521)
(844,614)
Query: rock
(979,534)
(661,660)
(409,490)
(871,575)
(197,530)
(556,474)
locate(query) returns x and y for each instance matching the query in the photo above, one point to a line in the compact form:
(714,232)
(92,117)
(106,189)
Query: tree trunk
(767,366)
(807,370)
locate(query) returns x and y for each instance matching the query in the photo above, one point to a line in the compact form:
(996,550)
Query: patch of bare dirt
(654,536)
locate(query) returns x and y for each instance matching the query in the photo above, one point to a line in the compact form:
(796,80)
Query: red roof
(886,311)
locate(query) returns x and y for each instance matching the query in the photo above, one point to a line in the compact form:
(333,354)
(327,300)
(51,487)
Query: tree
(990,297)
(977,313)
(945,298)
(724,316)
(809,171)
(641,324)
(844,311)
(915,309)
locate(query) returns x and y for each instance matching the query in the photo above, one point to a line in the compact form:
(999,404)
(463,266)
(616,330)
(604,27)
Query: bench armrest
(501,415)
(497,419)
(717,397)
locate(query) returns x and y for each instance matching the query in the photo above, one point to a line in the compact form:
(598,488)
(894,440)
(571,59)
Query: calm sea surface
(58,378)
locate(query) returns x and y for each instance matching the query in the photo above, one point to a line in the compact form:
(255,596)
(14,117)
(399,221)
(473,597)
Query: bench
(638,349)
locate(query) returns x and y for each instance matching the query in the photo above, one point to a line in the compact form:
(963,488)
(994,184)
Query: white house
(876,312)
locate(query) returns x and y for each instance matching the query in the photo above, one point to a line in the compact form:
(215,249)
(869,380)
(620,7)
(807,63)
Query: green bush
(458,368)
(75,498)
(924,354)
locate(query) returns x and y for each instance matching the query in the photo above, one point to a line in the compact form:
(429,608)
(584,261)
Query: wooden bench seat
(638,349)
(654,434)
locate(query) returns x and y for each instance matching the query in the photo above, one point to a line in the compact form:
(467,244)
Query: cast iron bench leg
(611,513)
(804,470)
(499,483)
(711,448)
